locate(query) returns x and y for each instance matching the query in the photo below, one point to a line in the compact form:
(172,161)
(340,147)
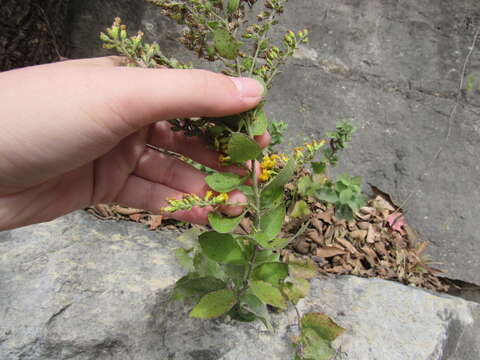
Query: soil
(32,32)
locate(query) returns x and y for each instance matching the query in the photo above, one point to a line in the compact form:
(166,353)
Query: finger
(104,61)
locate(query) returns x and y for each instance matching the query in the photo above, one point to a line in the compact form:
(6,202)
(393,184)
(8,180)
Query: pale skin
(73,134)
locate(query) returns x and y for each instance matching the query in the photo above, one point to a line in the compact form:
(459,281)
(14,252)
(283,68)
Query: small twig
(451,117)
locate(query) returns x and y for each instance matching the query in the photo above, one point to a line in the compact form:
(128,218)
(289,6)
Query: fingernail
(247,87)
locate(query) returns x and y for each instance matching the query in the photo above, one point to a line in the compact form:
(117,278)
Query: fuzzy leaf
(296,289)
(214,304)
(304,184)
(271,224)
(242,148)
(300,209)
(322,325)
(184,259)
(225,44)
(273,272)
(223,224)
(268,294)
(222,248)
(224,182)
(189,286)
(260,124)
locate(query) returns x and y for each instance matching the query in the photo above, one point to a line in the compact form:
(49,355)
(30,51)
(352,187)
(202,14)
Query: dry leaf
(327,252)
(155,221)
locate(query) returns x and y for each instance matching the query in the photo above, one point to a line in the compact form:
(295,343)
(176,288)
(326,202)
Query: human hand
(73,134)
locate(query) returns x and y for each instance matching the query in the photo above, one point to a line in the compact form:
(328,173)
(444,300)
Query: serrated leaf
(223,224)
(189,286)
(322,325)
(242,148)
(260,124)
(345,196)
(184,259)
(222,248)
(226,45)
(281,179)
(296,289)
(268,294)
(302,268)
(270,224)
(224,182)
(232,6)
(214,304)
(300,209)
(327,195)
(273,273)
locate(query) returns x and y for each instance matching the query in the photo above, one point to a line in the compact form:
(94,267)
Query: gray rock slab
(393,67)
(83,289)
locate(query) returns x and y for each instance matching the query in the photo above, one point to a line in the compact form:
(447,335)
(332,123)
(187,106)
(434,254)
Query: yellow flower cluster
(268,165)
(307,151)
(190,200)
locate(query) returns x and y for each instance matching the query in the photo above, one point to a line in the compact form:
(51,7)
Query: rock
(393,67)
(83,289)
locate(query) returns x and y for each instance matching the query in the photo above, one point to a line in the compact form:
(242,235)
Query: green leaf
(235,273)
(268,294)
(296,289)
(253,304)
(208,267)
(222,248)
(281,179)
(260,124)
(273,272)
(223,224)
(224,182)
(315,347)
(266,255)
(232,6)
(302,268)
(271,224)
(345,196)
(214,304)
(319,167)
(322,325)
(225,44)
(189,286)
(300,209)
(327,195)
(271,199)
(278,243)
(242,148)
(304,184)
(184,259)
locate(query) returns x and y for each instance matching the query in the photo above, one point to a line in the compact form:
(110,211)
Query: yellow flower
(208,195)
(221,198)
(223,159)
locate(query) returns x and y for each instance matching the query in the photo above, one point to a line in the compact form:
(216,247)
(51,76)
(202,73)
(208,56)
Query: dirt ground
(32,32)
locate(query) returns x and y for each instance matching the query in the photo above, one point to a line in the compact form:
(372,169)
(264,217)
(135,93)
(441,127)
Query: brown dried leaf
(381,204)
(125,210)
(135,217)
(370,234)
(154,221)
(347,245)
(327,252)
(315,236)
(359,235)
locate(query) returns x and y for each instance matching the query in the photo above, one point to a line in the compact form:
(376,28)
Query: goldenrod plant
(232,273)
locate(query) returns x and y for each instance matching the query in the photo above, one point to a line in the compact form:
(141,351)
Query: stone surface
(82,289)
(393,67)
